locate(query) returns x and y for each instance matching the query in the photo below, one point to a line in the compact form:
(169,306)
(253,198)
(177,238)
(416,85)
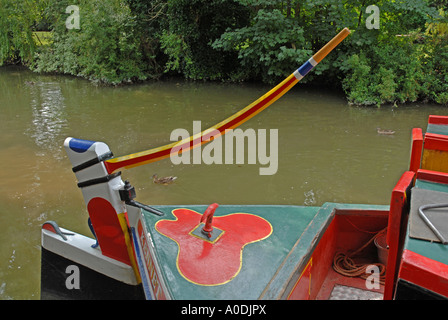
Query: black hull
(92,285)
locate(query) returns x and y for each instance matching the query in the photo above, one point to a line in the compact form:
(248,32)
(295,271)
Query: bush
(104,49)
(388,74)
(16,37)
(410,69)
(400,67)
(271,47)
(405,60)
(191,27)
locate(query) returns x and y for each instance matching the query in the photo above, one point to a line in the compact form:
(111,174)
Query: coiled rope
(343,263)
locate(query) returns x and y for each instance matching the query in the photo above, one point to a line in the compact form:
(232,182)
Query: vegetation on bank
(405,59)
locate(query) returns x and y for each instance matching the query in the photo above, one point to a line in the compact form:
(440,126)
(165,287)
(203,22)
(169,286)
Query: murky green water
(328,152)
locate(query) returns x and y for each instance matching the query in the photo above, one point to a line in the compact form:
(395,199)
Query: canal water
(328,151)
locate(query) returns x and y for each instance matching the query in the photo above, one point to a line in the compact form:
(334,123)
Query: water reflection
(49,117)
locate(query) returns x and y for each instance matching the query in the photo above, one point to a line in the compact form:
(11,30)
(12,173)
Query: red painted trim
(396,231)
(48,227)
(113,166)
(424,272)
(438,119)
(435,141)
(153,275)
(302,288)
(433,176)
(416,149)
(151,157)
(436,136)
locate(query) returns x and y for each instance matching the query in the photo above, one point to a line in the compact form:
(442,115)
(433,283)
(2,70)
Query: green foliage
(390,74)
(405,67)
(178,52)
(357,85)
(187,36)
(150,14)
(121,41)
(104,49)
(436,57)
(271,47)
(16,37)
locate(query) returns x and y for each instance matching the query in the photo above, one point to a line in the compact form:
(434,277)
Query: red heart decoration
(212,263)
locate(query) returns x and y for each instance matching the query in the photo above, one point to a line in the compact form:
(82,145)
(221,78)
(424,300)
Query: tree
(105,48)
(186,40)
(17,19)
(270,47)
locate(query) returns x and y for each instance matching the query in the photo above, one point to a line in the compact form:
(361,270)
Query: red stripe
(260,105)
(438,119)
(436,142)
(112,166)
(434,176)
(425,272)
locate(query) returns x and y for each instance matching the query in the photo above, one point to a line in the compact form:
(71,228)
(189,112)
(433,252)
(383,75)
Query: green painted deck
(266,265)
(437,129)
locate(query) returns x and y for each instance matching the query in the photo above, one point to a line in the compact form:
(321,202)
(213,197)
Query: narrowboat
(240,252)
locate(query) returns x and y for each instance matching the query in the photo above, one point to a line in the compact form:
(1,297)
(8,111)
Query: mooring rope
(344,263)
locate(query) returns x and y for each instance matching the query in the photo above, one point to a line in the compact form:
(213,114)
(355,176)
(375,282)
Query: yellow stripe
(435,160)
(124,227)
(309,264)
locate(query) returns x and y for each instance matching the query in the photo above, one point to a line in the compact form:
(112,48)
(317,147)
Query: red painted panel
(355,228)
(396,230)
(108,230)
(323,259)
(425,272)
